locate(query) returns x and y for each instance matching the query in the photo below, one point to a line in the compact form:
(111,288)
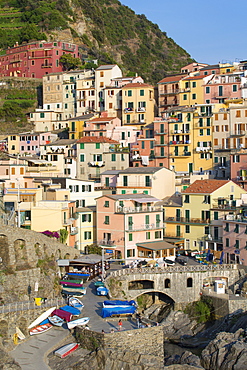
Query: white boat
(56,320)
(78,322)
(42,317)
(40,329)
(75,302)
(19,333)
(66,350)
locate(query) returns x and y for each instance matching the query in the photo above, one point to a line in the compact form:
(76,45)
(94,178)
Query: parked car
(169,262)
(182,261)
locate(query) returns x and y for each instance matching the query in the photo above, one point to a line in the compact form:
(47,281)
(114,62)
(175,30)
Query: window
(125,180)
(107,204)
(206,199)
(206,231)
(148,235)
(225,116)
(141,92)
(236,230)
(157,234)
(227,242)
(189,283)
(97,146)
(113,157)
(186,198)
(207,89)
(201,132)
(129,92)
(128,118)
(143,144)
(130,237)
(42,115)
(238,113)
(216,216)
(187,229)
(66,106)
(234,88)
(185,97)
(236,244)
(81,145)
(236,158)
(193,96)
(193,84)
(107,220)
(216,159)
(82,158)
(227,227)
(87,235)
(208,131)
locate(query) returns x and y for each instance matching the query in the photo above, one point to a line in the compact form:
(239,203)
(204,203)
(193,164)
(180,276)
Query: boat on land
(99,283)
(42,317)
(101,290)
(70,283)
(72,310)
(79,322)
(40,329)
(66,350)
(75,288)
(73,293)
(76,281)
(75,302)
(78,274)
(117,302)
(56,320)
(19,333)
(62,314)
(118,311)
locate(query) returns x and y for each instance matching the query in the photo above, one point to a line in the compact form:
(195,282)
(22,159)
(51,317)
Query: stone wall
(134,347)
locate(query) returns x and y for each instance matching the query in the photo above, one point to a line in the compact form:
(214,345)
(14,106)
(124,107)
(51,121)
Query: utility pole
(18,205)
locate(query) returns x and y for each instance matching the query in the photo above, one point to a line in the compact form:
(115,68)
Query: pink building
(239,168)
(35,59)
(222,87)
(151,149)
(30,142)
(103,126)
(124,221)
(235,237)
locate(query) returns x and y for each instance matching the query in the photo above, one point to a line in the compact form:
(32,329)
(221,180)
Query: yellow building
(76,125)
(13,144)
(192,90)
(137,104)
(86,227)
(205,204)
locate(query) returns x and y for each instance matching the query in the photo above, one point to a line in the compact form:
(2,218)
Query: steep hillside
(105,29)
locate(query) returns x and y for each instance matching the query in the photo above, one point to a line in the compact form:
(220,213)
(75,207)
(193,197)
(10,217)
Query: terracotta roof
(102,119)
(95,139)
(205,186)
(172,78)
(195,78)
(136,84)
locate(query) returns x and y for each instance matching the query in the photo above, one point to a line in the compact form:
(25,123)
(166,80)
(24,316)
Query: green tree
(63,235)
(68,62)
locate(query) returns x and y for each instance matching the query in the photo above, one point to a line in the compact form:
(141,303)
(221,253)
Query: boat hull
(40,329)
(42,317)
(66,350)
(79,322)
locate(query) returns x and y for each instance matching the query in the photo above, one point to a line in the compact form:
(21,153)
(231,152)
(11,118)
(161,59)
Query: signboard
(237,251)
(109,251)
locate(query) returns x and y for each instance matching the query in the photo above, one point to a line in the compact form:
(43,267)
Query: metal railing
(28,305)
(158,270)
(187,220)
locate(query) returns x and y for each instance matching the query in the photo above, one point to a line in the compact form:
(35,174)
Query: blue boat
(72,310)
(102,290)
(120,303)
(115,310)
(83,275)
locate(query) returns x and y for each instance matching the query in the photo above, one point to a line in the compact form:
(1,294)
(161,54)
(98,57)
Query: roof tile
(205,186)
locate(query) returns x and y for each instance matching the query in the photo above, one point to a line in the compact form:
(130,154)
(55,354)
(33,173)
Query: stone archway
(20,251)
(141,284)
(147,299)
(22,325)
(4,328)
(4,249)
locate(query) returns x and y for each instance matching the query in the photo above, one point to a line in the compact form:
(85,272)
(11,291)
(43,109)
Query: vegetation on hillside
(113,33)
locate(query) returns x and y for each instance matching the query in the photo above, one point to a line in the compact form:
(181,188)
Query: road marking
(34,346)
(31,353)
(41,340)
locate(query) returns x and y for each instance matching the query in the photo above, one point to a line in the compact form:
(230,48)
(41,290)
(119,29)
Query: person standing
(120,325)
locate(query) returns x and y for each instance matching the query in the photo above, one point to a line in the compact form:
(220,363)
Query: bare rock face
(186,359)
(177,324)
(7,362)
(228,351)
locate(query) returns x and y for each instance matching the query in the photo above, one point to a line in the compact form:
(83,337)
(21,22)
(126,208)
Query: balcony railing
(74,231)
(173,235)
(106,242)
(187,220)
(128,110)
(184,154)
(172,92)
(147,227)
(238,133)
(141,109)
(138,209)
(225,207)
(180,132)
(44,65)
(158,132)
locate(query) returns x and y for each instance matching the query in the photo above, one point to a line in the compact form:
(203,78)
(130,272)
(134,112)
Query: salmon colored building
(35,59)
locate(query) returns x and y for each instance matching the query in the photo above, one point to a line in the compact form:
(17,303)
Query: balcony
(172,92)
(138,209)
(173,235)
(184,154)
(229,205)
(68,221)
(105,242)
(212,238)
(128,110)
(96,164)
(41,168)
(74,231)
(160,144)
(180,142)
(158,132)
(185,220)
(180,132)
(141,109)
(238,133)
(147,227)
(201,149)
(46,65)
